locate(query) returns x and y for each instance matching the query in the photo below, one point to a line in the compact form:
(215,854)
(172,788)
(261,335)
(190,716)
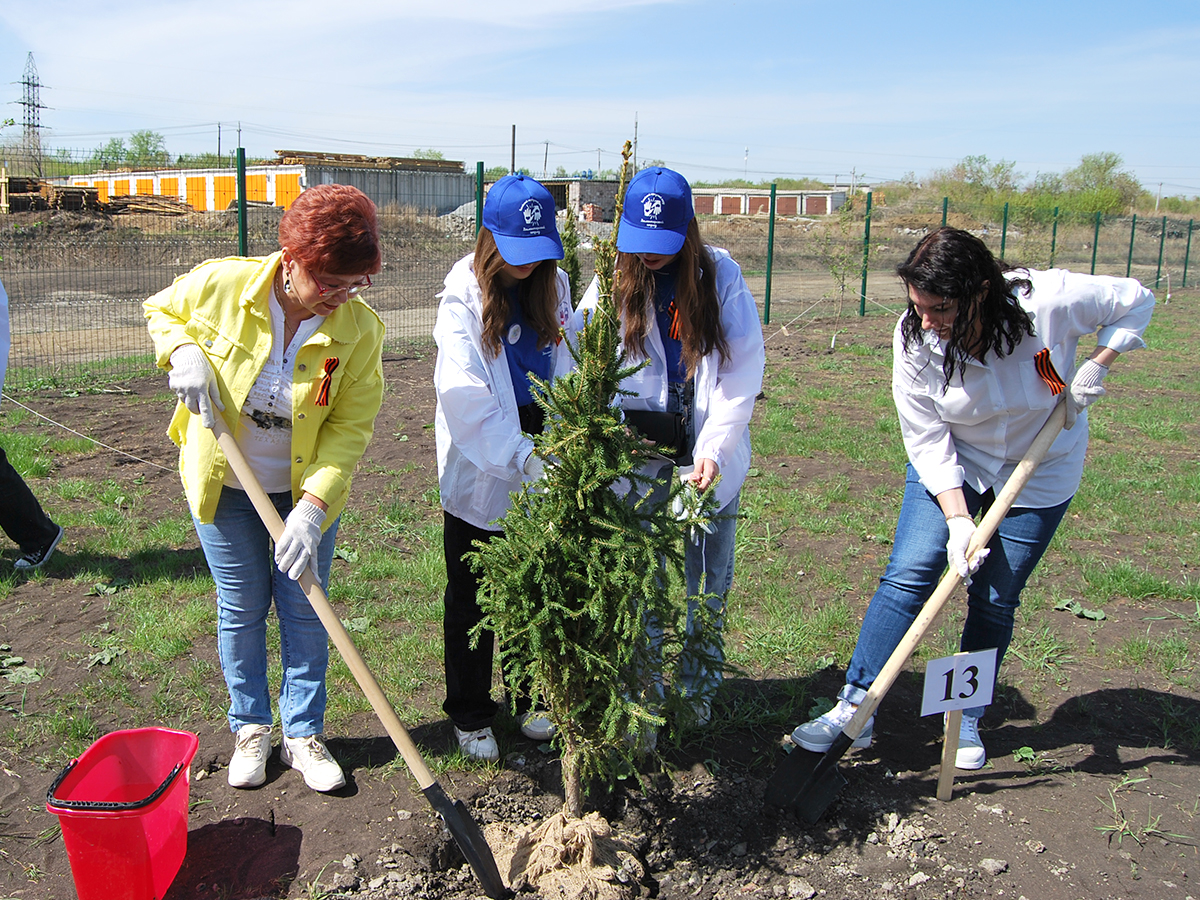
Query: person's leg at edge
(237,548)
(21,516)
(468,671)
(303,641)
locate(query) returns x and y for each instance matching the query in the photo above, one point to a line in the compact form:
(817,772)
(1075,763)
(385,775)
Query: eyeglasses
(352,290)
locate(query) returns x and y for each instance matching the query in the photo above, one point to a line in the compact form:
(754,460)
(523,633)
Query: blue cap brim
(663,241)
(521,251)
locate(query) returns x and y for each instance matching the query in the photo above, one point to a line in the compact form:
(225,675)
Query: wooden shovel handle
(320,603)
(933,606)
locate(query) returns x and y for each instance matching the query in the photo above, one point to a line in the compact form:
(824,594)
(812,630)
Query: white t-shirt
(265,423)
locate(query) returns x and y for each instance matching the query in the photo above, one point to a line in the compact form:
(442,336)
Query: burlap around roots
(565,857)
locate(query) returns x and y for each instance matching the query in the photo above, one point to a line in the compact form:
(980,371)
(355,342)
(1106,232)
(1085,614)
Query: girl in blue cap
(685,308)
(499,322)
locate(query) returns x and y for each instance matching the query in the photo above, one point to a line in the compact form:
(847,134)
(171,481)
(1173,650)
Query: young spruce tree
(578,573)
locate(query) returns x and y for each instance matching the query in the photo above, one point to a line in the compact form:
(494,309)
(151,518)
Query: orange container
(123,808)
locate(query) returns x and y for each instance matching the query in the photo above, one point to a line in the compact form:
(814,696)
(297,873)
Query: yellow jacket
(221,305)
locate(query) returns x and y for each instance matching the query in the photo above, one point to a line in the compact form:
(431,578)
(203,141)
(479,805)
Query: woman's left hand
(297,546)
(705,473)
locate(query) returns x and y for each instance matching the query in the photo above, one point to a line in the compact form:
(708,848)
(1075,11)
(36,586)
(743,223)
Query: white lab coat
(481,450)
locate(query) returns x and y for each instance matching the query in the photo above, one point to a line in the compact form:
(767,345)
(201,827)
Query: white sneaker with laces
(312,759)
(536,726)
(479,744)
(248,765)
(819,734)
(971,754)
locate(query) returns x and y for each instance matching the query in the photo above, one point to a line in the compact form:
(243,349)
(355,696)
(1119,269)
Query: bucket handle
(105,805)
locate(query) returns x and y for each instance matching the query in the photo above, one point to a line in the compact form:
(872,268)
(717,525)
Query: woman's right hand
(193,381)
(962,529)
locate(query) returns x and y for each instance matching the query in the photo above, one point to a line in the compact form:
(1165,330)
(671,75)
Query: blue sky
(719,89)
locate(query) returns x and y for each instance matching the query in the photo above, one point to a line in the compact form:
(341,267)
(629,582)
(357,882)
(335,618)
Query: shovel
(462,827)
(810,780)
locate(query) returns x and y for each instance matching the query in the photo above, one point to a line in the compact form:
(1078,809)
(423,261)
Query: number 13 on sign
(961,681)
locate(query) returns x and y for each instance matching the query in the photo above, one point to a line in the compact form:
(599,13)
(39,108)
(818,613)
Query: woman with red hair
(286,346)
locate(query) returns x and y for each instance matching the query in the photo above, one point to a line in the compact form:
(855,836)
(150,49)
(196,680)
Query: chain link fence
(76,281)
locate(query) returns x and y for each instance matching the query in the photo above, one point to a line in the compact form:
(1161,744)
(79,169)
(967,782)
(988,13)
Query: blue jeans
(916,565)
(710,559)
(241,558)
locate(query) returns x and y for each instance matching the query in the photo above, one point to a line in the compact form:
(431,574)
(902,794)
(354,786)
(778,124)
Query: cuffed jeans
(241,558)
(916,565)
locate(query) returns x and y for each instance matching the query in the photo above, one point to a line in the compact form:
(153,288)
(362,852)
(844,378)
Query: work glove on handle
(962,529)
(1086,388)
(297,546)
(193,381)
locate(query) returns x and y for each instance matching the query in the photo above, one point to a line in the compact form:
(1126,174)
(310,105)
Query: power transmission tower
(31,102)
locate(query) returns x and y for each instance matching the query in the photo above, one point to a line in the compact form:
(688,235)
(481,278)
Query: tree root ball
(566,857)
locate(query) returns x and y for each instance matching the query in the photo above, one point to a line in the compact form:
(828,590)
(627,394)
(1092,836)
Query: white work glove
(1086,388)
(297,546)
(193,381)
(962,529)
(535,467)
(688,506)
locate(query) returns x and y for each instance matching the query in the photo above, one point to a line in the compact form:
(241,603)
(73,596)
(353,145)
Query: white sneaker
(819,734)
(248,765)
(971,754)
(536,726)
(312,759)
(480,744)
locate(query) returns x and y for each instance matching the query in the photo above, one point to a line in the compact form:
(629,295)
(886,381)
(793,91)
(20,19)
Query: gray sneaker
(819,734)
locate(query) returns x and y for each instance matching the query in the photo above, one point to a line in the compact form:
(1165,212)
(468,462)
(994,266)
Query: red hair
(333,229)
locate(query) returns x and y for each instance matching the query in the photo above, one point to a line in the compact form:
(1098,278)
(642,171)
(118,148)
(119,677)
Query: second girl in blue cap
(685,308)
(499,322)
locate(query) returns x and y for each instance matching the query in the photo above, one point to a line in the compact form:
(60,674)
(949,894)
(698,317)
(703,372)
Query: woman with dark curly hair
(975,375)
(287,346)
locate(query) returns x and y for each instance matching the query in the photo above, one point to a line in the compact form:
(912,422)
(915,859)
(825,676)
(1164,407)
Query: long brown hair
(538,295)
(699,307)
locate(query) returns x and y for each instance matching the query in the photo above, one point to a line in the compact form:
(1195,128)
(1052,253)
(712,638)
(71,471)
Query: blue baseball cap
(519,213)
(658,208)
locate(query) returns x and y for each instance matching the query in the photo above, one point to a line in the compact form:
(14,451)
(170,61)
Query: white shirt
(481,449)
(977,431)
(725,390)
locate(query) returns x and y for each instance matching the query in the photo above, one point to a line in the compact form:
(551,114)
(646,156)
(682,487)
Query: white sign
(961,681)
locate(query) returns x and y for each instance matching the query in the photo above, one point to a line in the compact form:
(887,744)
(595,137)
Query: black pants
(21,516)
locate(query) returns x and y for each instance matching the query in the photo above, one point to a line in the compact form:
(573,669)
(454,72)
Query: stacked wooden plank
(355,161)
(147,204)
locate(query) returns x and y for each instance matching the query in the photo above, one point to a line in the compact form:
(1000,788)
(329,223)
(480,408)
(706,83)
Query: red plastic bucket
(123,808)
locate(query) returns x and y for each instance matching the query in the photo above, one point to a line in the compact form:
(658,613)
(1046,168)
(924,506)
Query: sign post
(952,684)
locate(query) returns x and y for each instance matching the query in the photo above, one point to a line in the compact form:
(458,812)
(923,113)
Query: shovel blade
(808,781)
(470,840)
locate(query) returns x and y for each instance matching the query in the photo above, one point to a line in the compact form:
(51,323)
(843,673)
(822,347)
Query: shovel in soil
(454,813)
(811,781)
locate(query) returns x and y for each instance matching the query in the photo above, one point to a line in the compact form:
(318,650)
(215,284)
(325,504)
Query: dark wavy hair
(538,295)
(700,329)
(955,265)
(333,229)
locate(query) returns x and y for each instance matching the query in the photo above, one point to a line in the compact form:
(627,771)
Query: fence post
(1129,259)
(1095,243)
(770,258)
(1162,239)
(478,197)
(243,248)
(1053,237)
(1004,230)
(1187,252)
(862,301)
(945,209)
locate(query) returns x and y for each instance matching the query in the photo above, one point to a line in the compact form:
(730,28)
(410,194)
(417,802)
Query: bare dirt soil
(1107,806)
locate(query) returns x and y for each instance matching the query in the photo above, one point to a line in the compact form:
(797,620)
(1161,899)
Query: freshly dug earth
(1103,804)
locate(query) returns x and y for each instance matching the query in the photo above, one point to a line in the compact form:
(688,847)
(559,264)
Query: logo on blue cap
(652,210)
(531,210)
